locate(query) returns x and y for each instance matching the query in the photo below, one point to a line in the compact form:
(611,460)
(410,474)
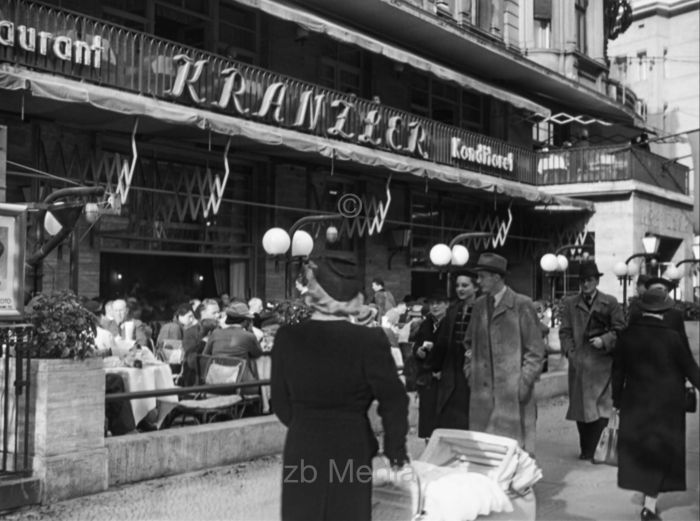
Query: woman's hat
(338,275)
(492,262)
(366,315)
(438,295)
(589,269)
(238,310)
(668,284)
(655,300)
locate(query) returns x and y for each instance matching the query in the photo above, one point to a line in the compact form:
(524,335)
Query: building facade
(404,123)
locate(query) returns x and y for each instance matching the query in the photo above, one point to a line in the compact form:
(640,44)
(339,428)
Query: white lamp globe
(92,212)
(620,269)
(276,241)
(331,234)
(633,270)
(673,273)
(460,255)
(563,262)
(440,254)
(302,244)
(51,224)
(549,262)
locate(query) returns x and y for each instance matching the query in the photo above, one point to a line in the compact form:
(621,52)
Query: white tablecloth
(150,377)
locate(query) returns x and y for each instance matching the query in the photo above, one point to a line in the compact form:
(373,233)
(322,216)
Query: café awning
(314,23)
(48,87)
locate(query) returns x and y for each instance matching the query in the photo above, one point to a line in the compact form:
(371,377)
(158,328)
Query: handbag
(606,450)
(691,399)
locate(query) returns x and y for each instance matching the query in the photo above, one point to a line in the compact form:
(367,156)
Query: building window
(447,103)
(543,134)
(184,21)
(129,13)
(341,68)
(543,24)
(238,33)
(581,26)
(620,68)
(643,64)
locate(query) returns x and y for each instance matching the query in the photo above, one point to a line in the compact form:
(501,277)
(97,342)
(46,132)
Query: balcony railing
(140,63)
(596,164)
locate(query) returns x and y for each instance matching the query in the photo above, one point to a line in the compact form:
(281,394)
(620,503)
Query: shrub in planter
(63,328)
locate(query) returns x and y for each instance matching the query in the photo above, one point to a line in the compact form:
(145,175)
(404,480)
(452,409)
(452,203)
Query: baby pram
(495,457)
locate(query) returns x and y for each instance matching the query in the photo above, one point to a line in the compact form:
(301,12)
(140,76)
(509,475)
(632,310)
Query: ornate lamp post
(276,242)
(676,273)
(555,264)
(625,272)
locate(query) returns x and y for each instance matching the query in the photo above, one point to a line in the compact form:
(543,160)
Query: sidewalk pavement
(570,490)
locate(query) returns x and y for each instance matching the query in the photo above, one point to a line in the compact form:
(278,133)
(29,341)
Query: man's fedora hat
(238,310)
(668,284)
(589,269)
(655,301)
(492,262)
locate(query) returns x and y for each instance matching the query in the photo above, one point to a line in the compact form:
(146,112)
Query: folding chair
(208,408)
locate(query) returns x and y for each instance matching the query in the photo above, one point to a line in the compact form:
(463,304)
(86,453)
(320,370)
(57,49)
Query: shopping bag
(606,450)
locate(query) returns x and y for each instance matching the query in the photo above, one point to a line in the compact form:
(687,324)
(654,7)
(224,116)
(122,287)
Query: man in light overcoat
(507,357)
(590,322)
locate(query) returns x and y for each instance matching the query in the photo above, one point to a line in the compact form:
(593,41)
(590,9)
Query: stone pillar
(66,427)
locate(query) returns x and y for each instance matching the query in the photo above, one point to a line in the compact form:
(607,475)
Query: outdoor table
(151,377)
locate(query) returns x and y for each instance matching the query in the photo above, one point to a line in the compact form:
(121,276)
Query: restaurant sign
(45,43)
(399,133)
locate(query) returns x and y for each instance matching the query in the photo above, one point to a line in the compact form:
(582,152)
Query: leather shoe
(583,456)
(648,515)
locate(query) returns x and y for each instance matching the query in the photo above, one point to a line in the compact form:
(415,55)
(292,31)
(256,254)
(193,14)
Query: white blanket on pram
(453,494)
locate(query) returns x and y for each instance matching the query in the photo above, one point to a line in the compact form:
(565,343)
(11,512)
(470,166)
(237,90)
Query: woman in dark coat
(649,371)
(428,372)
(325,374)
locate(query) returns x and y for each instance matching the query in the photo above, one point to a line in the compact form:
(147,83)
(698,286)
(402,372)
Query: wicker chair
(208,408)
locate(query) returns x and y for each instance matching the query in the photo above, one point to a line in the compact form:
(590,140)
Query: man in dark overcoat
(590,322)
(648,381)
(507,356)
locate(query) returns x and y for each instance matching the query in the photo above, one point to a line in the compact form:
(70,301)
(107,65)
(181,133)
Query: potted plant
(63,328)
(66,398)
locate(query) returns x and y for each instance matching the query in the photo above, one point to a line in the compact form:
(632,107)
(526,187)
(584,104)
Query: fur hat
(337,274)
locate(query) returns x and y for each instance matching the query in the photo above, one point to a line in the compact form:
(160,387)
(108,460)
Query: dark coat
(650,368)
(325,375)
(426,383)
(453,390)
(508,354)
(589,368)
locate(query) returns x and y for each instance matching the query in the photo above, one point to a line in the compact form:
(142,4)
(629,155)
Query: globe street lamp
(453,254)
(625,272)
(676,273)
(555,264)
(276,242)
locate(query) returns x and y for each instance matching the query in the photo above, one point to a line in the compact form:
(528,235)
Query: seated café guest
(234,339)
(208,314)
(170,331)
(191,343)
(119,418)
(123,327)
(255,305)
